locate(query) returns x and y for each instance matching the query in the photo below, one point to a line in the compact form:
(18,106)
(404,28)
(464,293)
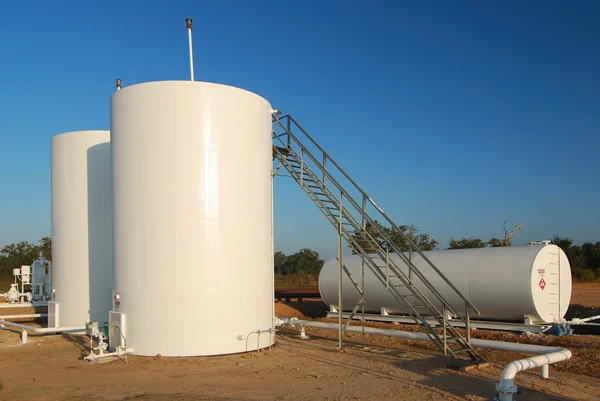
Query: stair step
(417,306)
(283,151)
(465,366)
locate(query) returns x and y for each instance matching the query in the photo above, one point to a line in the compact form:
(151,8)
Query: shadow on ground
(581,311)
(437,378)
(80,342)
(309,308)
(469,386)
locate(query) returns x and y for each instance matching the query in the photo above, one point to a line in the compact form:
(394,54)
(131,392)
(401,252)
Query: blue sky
(453,116)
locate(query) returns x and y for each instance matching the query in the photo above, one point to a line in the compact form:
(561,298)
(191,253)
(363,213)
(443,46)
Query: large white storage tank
(82,274)
(505,284)
(193,239)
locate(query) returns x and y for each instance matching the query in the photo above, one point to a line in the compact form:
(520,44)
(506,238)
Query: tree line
(377,236)
(466,243)
(584,259)
(22,253)
(305,261)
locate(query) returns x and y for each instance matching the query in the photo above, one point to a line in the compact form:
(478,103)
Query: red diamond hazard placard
(542,283)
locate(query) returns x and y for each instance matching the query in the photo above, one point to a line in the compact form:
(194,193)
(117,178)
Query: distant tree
(562,243)
(15,255)
(425,242)
(466,243)
(574,252)
(584,275)
(303,261)
(508,234)
(398,237)
(495,242)
(371,240)
(279,259)
(591,255)
(381,237)
(46,247)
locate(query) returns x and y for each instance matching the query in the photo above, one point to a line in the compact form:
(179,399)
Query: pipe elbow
(510,371)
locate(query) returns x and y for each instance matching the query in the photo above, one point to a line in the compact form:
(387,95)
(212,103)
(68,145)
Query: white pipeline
(44,330)
(24,305)
(506,387)
(41,330)
(577,321)
(119,352)
(31,315)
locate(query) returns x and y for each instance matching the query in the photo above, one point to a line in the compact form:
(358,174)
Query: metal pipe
(119,352)
(272,334)
(506,387)
(242,337)
(188,23)
(43,330)
(24,305)
(31,315)
(576,321)
(340,263)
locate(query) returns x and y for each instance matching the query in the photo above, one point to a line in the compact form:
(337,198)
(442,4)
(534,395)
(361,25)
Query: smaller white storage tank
(505,284)
(82,274)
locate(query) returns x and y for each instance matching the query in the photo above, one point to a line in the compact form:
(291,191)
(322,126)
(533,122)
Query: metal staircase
(353,213)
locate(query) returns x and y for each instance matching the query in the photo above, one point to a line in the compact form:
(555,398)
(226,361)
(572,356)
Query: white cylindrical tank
(82,274)
(193,218)
(505,284)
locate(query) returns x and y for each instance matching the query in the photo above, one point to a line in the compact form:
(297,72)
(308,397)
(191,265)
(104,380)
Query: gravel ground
(50,368)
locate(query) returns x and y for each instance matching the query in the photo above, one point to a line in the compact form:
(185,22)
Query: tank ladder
(353,213)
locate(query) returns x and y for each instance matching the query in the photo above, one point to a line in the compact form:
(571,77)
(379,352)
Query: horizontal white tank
(505,284)
(193,218)
(82,273)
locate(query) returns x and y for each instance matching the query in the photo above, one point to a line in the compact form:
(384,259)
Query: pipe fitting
(291,321)
(506,388)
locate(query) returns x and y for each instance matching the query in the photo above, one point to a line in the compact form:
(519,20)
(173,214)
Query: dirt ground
(51,368)
(586,294)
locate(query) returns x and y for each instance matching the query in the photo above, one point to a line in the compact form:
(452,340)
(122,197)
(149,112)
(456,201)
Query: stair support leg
(340,293)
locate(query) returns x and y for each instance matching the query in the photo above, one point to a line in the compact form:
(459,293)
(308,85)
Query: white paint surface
(82,274)
(193,215)
(503,283)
